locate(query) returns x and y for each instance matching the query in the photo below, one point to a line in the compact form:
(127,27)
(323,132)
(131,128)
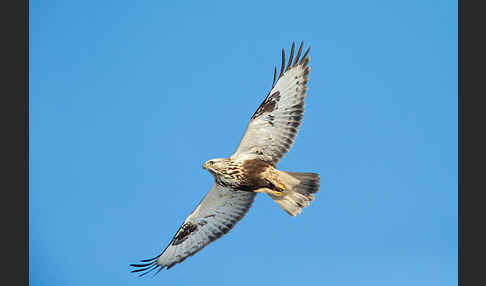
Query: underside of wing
(272,129)
(215,215)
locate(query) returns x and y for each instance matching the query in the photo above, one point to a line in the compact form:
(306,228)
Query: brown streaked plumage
(253,174)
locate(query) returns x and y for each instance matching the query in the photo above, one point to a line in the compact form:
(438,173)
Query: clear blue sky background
(128,99)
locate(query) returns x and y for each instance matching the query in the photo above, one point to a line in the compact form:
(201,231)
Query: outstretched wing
(272,129)
(215,215)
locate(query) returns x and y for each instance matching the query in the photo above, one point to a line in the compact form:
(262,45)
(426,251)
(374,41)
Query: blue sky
(128,99)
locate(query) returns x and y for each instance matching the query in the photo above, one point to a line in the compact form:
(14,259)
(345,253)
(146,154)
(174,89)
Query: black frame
(471,75)
(14,102)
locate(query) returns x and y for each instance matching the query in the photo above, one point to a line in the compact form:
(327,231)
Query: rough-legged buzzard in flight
(251,169)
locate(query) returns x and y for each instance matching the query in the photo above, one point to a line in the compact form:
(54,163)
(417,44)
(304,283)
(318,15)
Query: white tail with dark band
(299,190)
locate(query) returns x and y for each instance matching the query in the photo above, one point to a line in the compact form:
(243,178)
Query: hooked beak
(205,165)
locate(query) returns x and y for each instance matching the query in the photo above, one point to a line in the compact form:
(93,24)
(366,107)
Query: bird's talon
(277,193)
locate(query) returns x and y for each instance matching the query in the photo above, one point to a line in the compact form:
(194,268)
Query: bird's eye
(211,163)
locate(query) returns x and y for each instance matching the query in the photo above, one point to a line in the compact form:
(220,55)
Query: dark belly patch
(253,175)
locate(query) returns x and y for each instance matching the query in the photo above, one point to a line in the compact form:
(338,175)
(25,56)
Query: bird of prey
(251,169)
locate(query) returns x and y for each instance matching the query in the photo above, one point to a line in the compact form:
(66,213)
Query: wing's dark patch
(186,229)
(268,105)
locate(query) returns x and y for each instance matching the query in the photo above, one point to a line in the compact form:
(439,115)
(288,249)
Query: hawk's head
(221,167)
(225,171)
(216,165)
